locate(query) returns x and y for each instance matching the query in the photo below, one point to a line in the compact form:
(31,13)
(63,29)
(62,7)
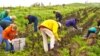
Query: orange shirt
(8,33)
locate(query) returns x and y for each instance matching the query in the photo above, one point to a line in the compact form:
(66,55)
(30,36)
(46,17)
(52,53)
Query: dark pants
(89,32)
(59,19)
(35,26)
(75,27)
(12,47)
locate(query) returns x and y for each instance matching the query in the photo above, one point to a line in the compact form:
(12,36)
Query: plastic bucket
(18,43)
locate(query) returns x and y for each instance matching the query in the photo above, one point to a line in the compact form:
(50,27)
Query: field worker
(49,28)
(1,29)
(8,34)
(58,16)
(72,22)
(91,30)
(4,14)
(98,26)
(9,18)
(98,23)
(7,21)
(32,19)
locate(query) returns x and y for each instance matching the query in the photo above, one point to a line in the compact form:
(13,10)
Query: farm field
(71,43)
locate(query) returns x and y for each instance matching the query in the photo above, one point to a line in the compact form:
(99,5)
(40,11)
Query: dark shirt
(4,24)
(98,23)
(58,16)
(32,19)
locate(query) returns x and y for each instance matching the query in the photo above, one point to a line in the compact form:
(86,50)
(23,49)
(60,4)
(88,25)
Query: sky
(13,3)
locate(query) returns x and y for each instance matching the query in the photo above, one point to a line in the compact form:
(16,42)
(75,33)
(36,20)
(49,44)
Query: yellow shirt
(52,25)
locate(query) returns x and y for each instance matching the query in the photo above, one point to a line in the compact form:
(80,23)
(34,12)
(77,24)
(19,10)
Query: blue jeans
(9,46)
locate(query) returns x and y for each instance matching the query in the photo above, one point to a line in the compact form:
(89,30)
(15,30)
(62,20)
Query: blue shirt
(7,19)
(71,22)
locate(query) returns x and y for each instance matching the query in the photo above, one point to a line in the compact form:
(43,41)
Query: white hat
(13,17)
(8,10)
(59,24)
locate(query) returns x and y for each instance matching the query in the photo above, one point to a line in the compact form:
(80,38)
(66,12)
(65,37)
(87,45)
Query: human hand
(9,41)
(59,39)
